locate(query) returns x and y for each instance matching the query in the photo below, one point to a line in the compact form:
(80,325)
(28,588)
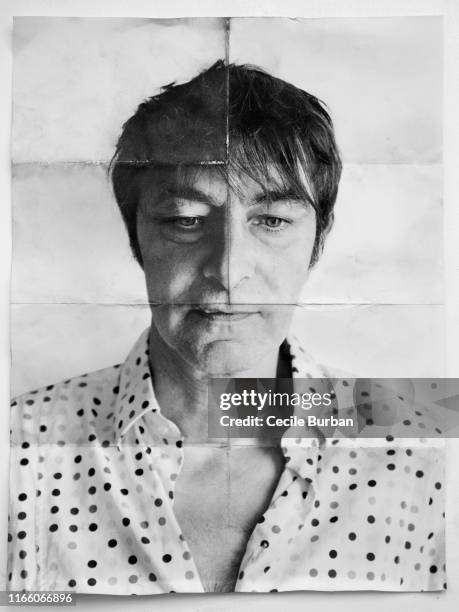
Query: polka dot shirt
(92,476)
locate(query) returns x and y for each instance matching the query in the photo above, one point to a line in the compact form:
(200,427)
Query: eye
(187,222)
(273,222)
(270,222)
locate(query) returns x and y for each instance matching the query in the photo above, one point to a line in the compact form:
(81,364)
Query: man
(226,185)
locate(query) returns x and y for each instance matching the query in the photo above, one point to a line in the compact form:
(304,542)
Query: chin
(214,347)
(224,358)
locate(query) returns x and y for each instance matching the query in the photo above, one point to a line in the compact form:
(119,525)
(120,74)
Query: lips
(223,313)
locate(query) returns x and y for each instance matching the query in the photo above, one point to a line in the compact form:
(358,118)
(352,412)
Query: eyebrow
(279,195)
(187,193)
(267,196)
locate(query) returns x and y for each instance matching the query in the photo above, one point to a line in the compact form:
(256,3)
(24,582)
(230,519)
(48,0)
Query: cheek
(167,319)
(287,270)
(169,268)
(290,278)
(167,280)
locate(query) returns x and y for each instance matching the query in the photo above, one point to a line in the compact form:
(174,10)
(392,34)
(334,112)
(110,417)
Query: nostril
(217,273)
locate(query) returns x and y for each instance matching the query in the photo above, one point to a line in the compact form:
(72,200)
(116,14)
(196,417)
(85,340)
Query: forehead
(215,181)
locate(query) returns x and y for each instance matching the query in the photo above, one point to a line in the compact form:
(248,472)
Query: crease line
(200,304)
(227,143)
(81,162)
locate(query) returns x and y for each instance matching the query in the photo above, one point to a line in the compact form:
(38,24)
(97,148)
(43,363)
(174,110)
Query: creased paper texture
(231,199)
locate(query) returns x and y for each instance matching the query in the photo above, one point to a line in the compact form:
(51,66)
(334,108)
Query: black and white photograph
(239,198)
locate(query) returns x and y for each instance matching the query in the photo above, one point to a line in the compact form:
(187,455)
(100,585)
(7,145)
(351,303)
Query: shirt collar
(302,454)
(136,398)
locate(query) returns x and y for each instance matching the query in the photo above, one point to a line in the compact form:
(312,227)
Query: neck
(182,390)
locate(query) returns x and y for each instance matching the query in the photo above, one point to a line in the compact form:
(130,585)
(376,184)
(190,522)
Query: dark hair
(232,116)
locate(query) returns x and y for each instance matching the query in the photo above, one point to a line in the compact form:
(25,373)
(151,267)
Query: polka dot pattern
(93,471)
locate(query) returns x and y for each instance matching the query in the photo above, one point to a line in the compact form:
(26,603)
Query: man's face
(224,266)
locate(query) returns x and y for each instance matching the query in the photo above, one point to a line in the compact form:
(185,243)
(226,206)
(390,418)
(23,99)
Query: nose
(230,262)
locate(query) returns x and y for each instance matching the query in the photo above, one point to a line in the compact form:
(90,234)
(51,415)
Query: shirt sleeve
(22,561)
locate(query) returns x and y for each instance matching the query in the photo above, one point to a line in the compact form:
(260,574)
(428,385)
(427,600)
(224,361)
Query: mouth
(222,313)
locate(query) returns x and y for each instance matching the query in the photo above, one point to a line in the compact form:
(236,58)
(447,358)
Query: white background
(293,601)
